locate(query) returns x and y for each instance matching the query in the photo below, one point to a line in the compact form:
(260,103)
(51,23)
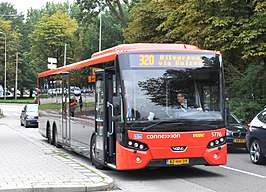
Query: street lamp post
(5,66)
(100,28)
(16,83)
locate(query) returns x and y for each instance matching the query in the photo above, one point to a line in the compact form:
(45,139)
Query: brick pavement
(28,164)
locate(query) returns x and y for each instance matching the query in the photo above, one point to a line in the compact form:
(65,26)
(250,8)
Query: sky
(24,5)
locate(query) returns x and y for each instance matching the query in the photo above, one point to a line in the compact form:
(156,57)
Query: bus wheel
(49,135)
(55,138)
(93,154)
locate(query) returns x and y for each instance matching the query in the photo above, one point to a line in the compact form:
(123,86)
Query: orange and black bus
(121,107)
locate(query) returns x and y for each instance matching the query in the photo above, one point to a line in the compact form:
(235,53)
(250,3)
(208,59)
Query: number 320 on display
(146,60)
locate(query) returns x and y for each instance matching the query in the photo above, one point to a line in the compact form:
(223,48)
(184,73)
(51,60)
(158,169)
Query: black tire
(92,154)
(49,135)
(21,124)
(255,153)
(26,126)
(55,138)
(247,150)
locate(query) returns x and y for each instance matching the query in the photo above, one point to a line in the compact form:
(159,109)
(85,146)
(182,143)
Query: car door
(263,131)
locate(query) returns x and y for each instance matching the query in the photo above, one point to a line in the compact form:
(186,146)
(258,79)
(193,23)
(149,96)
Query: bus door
(110,91)
(105,130)
(65,112)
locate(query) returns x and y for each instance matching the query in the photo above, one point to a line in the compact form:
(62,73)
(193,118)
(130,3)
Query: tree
(145,22)
(12,46)
(235,27)
(8,12)
(90,9)
(49,38)
(111,34)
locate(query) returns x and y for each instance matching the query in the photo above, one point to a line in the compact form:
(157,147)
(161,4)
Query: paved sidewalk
(30,165)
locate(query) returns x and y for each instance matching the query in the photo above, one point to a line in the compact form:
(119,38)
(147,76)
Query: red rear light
(249,126)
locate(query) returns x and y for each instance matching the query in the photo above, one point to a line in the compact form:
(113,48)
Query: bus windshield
(159,92)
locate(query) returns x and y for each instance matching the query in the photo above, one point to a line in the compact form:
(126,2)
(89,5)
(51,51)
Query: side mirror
(116,102)
(117,107)
(242,121)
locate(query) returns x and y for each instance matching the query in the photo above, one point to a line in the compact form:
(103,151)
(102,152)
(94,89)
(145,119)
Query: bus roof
(111,53)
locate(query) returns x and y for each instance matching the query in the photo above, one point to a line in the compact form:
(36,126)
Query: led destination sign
(168,60)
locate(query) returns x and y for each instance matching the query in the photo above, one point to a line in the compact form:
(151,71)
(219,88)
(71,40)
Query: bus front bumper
(128,159)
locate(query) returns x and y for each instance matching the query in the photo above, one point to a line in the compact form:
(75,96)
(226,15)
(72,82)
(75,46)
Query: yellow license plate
(177,161)
(240,140)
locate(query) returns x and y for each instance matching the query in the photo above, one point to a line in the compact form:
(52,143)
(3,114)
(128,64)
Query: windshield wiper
(159,122)
(181,123)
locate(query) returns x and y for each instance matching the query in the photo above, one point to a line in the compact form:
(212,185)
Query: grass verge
(24,100)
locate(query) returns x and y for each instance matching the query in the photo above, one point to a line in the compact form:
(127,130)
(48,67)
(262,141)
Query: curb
(57,188)
(106,182)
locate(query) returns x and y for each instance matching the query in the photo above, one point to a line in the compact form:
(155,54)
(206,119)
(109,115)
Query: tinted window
(262,116)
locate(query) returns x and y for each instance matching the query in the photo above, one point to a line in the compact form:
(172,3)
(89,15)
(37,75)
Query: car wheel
(21,124)
(93,154)
(26,125)
(256,155)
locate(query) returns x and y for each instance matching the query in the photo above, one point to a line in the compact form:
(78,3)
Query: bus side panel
(81,132)
(49,118)
(42,124)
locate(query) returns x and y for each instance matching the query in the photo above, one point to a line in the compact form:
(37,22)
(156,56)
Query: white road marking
(245,172)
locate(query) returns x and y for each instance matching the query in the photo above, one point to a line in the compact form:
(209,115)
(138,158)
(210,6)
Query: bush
(245,109)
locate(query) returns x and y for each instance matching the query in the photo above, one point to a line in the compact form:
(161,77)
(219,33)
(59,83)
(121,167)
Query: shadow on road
(236,150)
(163,173)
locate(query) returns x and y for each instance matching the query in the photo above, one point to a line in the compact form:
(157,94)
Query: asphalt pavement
(29,165)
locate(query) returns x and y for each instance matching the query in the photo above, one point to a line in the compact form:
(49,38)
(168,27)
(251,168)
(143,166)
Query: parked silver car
(29,115)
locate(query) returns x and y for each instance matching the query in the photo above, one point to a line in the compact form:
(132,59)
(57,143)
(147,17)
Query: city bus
(120,108)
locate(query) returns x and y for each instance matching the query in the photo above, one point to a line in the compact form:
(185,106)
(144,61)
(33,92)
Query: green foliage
(235,27)
(49,37)
(118,8)
(24,100)
(245,109)
(248,93)
(8,12)
(111,34)
(12,46)
(146,22)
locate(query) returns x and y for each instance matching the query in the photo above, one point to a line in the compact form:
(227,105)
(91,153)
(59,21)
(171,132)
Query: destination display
(170,60)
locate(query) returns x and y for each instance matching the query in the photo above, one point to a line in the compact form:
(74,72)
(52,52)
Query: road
(238,175)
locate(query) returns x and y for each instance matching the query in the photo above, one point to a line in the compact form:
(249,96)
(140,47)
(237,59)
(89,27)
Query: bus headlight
(137,145)
(217,142)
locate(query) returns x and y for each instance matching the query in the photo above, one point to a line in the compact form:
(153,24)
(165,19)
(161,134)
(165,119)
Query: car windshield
(32,108)
(233,119)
